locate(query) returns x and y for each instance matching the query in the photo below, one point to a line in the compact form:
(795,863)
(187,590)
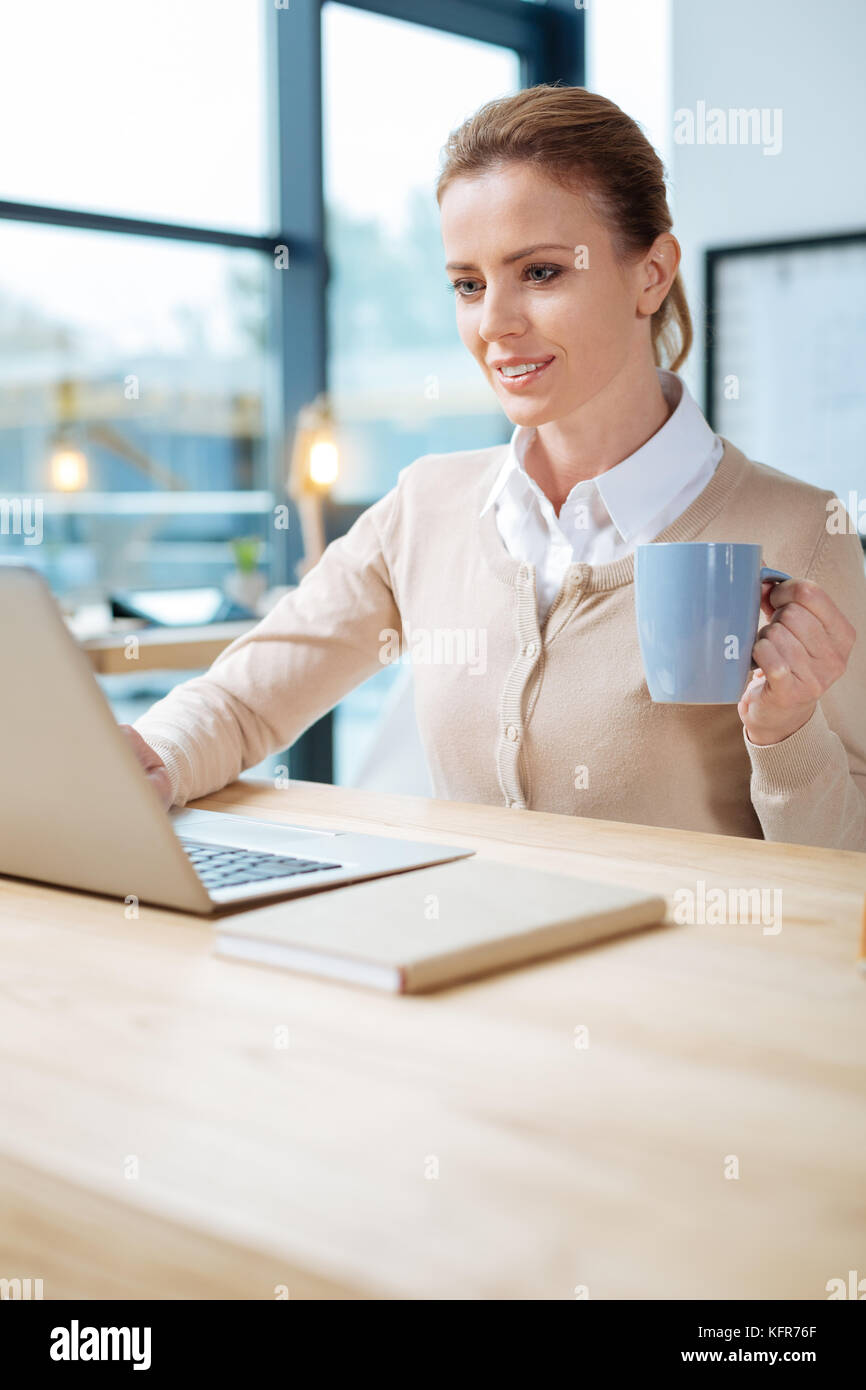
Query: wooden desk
(125,1042)
(162,648)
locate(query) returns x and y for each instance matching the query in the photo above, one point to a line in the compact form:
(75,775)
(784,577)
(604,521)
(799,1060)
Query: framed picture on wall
(786,358)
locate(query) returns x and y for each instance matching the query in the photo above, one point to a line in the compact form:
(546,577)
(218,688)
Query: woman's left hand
(801,652)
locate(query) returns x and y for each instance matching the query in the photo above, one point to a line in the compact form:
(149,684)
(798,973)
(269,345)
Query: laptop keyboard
(224,866)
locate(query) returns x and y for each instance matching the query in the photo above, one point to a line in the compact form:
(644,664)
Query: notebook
(430,927)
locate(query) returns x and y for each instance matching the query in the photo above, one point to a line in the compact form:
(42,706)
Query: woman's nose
(500,317)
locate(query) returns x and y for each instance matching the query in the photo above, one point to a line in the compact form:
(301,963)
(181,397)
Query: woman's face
(566,304)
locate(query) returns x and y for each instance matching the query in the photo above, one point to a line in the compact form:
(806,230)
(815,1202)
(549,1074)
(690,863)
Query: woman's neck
(603,432)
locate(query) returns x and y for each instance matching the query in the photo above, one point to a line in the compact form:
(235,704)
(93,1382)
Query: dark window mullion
(299,248)
(300,291)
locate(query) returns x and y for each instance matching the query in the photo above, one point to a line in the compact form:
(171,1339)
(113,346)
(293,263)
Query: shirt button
(511,732)
(531,649)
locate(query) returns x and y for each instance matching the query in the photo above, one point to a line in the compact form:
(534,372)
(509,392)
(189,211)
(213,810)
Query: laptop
(76,808)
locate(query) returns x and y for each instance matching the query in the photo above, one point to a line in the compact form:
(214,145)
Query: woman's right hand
(155,769)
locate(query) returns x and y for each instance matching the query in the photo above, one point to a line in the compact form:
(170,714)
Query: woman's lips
(522,383)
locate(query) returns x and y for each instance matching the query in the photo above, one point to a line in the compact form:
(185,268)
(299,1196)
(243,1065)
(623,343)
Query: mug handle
(776,576)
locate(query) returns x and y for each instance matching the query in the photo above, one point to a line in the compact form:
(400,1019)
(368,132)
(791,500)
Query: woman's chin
(529,413)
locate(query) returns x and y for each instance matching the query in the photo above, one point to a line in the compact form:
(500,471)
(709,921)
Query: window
(139,361)
(155,111)
(151,369)
(138,373)
(400,380)
(135,378)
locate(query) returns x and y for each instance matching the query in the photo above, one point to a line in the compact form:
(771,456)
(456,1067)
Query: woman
(565,272)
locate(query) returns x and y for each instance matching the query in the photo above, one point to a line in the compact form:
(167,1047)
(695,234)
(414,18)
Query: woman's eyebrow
(516,255)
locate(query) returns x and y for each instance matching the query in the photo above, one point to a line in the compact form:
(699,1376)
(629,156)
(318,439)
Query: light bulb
(323,463)
(68,469)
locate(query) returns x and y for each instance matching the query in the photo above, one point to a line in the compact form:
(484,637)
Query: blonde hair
(587,145)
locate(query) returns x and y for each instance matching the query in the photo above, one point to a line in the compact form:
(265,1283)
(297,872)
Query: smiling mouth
(518,376)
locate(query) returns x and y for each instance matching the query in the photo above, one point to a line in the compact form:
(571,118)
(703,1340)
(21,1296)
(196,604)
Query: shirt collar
(637,489)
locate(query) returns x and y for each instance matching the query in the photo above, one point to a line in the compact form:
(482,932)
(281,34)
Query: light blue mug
(698,607)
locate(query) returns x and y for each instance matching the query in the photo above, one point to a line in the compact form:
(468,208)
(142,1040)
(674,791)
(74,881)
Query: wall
(656,57)
(803,58)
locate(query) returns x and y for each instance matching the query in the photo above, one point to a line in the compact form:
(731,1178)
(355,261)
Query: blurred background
(225,324)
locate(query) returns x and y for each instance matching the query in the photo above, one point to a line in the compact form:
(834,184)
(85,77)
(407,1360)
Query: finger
(787,665)
(757,679)
(766,607)
(812,597)
(814,637)
(147,757)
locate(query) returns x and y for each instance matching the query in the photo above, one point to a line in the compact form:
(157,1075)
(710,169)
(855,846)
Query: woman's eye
(457,287)
(549,272)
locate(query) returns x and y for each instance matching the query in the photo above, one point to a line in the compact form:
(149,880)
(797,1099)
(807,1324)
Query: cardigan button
(531,649)
(511,733)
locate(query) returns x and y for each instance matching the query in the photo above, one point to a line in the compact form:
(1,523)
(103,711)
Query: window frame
(549,38)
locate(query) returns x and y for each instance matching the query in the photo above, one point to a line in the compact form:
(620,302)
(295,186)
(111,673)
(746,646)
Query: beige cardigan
(552,719)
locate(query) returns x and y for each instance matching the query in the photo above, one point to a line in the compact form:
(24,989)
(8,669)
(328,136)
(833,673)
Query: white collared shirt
(604,518)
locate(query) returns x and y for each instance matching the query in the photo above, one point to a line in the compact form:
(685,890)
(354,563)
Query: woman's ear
(658,270)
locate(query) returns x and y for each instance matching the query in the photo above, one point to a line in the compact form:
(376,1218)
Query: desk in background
(161,648)
(194,648)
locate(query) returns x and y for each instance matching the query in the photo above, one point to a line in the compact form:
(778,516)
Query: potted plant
(246,584)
